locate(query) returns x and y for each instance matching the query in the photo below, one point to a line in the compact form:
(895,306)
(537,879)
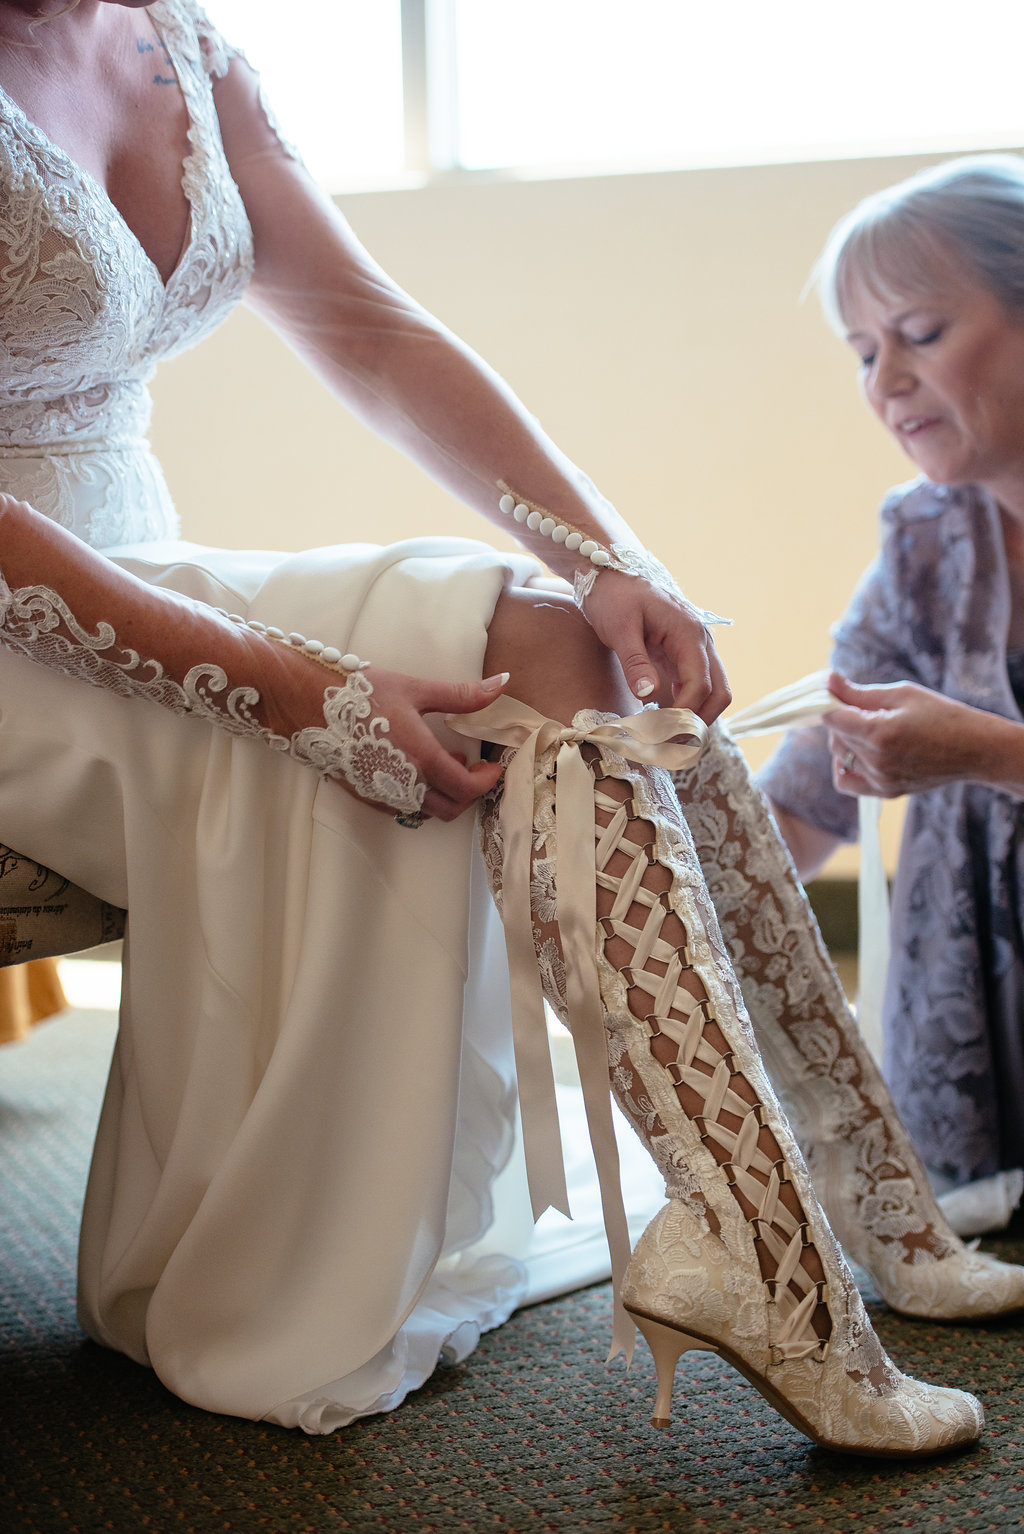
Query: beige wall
(654,325)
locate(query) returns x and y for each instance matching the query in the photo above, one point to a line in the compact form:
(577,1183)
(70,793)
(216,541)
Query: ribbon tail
(538,1105)
(663,737)
(577,922)
(872,925)
(802,703)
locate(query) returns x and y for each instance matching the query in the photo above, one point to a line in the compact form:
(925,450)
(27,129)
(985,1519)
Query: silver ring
(411,822)
(848,761)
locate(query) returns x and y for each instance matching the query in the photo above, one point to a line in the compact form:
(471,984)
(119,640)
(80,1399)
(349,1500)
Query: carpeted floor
(532,1432)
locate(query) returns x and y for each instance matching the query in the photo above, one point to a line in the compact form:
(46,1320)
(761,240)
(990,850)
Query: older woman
(926,282)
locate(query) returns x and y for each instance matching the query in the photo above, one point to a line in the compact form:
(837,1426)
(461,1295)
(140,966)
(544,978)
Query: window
(333,77)
(585,82)
(372,89)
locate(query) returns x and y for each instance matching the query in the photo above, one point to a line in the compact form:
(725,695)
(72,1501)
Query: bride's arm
(419,386)
(67,607)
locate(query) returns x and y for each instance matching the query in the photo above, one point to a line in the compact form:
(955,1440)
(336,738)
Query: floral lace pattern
(683,1001)
(354,747)
(647,567)
(864,1168)
(789,1313)
(351,745)
(85,316)
(934,608)
(703,1282)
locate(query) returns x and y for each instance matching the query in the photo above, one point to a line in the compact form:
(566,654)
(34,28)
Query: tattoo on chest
(144,46)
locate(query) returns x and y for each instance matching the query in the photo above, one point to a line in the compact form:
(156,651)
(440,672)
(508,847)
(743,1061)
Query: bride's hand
(666,652)
(452,786)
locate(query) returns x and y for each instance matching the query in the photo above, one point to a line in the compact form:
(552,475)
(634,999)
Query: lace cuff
(596,557)
(350,745)
(217,53)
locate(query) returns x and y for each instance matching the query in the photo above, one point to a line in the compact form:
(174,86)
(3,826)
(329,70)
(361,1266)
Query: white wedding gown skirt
(312,1090)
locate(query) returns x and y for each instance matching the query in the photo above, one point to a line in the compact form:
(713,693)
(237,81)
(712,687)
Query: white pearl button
(541,522)
(275,633)
(330,655)
(350,662)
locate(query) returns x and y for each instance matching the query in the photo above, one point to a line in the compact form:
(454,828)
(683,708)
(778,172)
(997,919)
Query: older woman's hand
(659,639)
(899,738)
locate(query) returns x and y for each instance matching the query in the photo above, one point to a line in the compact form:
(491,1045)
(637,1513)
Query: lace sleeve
(90,620)
(218,54)
(215,51)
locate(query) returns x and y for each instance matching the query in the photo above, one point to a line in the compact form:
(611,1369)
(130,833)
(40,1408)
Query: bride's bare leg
(556,662)
(558,666)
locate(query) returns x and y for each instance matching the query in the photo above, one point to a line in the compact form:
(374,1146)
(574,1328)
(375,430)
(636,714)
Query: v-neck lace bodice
(85,315)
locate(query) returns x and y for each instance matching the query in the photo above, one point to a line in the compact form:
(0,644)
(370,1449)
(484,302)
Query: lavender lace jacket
(934,608)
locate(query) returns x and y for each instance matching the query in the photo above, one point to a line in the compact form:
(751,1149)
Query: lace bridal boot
(863,1167)
(741,1261)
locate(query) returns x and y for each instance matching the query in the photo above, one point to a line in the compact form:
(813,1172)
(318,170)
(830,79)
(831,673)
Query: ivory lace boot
(742,1260)
(863,1166)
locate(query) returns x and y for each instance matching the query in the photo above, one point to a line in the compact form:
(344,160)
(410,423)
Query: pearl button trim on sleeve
(622,557)
(540,521)
(314,649)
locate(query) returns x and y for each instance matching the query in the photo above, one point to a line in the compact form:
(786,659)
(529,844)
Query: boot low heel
(667,1345)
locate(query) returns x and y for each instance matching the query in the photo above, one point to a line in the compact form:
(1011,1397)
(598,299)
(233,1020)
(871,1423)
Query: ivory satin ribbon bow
(650,737)
(803,703)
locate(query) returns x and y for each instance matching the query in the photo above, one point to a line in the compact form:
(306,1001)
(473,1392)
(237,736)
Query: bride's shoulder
(216,53)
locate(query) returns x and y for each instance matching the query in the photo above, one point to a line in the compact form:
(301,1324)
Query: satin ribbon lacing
(651,738)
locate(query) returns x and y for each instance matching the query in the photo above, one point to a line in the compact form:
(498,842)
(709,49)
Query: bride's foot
(742,1259)
(689,1288)
(864,1169)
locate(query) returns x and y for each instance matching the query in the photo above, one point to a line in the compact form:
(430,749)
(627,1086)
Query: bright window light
(554,85)
(332,72)
(567,82)
(94,984)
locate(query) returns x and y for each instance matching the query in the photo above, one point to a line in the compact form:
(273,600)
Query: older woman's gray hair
(968,213)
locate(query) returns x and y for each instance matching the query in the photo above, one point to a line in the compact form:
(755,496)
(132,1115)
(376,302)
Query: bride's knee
(556,662)
(541,627)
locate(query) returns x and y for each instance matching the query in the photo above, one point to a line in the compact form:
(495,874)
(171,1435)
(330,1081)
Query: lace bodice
(85,315)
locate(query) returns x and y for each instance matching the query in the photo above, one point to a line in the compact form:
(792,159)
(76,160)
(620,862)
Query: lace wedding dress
(312,1090)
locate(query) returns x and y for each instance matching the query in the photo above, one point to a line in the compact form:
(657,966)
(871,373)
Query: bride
(268,761)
